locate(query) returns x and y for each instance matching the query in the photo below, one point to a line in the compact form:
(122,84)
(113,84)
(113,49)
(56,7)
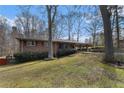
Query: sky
(8,11)
(11,11)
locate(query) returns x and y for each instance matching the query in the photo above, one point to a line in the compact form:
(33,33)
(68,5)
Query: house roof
(54,40)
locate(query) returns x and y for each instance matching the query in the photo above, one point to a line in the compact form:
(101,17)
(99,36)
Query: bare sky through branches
(10,12)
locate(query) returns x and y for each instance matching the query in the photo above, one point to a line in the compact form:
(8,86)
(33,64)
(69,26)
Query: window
(31,43)
(62,46)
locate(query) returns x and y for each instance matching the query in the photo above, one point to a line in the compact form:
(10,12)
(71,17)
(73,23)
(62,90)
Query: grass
(78,70)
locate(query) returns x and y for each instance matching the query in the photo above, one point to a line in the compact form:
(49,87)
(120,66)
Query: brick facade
(39,47)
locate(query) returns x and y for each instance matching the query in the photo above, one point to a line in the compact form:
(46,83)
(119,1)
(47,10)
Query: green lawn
(78,70)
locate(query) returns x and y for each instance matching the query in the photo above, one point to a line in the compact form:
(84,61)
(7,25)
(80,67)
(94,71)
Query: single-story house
(121,43)
(41,45)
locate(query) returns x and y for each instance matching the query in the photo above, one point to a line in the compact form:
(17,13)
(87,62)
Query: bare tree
(93,27)
(3,35)
(117,10)
(117,27)
(13,44)
(51,14)
(23,19)
(60,26)
(79,18)
(106,14)
(115,22)
(69,20)
(28,23)
(116,19)
(36,25)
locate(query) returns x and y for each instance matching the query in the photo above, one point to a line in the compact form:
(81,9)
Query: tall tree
(94,26)
(3,35)
(23,19)
(79,23)
(106,14)
(51,14)
(61,27)
(69,20)
(117,26)
(117,12)
(28,23)
(118,9)
(13,44)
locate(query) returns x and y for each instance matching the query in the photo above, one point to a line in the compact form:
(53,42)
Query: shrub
(29,56)
(84,49)
(65,52)
(97,49)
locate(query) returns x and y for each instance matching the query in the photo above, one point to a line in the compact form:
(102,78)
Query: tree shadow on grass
(109,75)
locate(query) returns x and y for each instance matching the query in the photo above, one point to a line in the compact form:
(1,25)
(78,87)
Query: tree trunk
(109,54)
(78,35)
(117,27)
(94,39)
(69,35)
(69,30)
(50,49)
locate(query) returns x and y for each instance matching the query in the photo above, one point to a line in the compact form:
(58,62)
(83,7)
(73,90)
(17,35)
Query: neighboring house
(121,41)
(41,45)
(121,38)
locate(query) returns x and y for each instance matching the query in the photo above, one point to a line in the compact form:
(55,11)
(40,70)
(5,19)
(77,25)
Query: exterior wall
(66,46)
(40,47)
(55,47)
